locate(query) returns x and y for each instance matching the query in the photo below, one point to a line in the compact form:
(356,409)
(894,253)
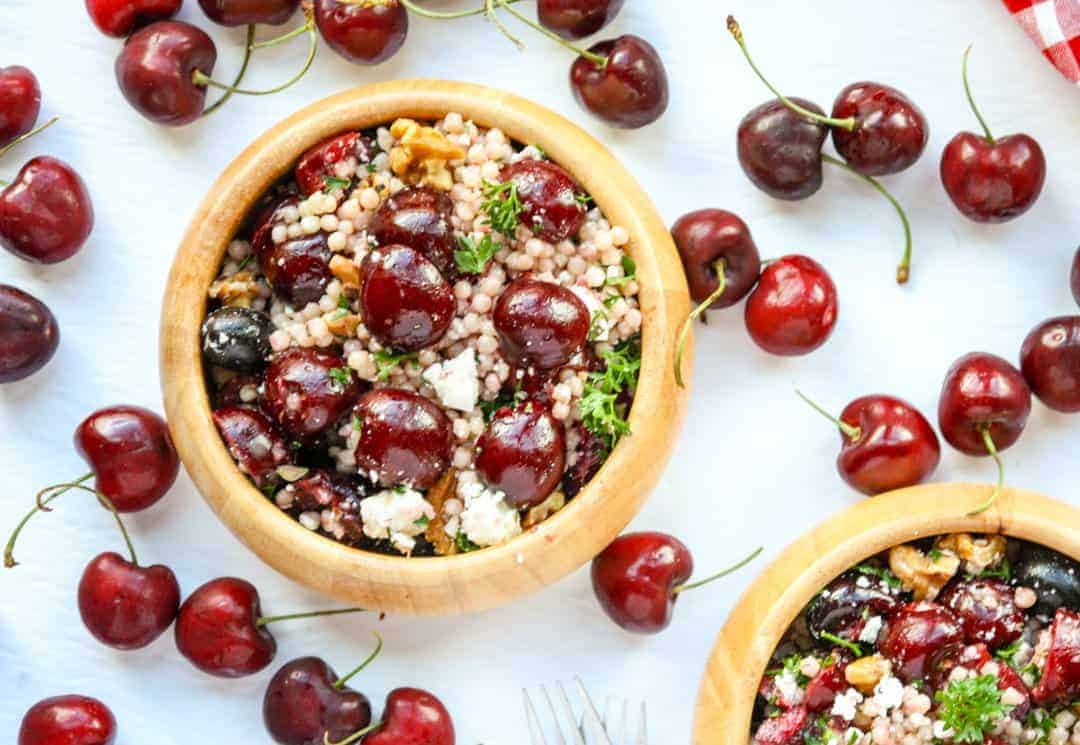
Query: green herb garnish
(629,273)
(842,642)
(341,376)
(598,324)
(386,362)
(343,302)
(881,573)
(935,555)
(1008,653)
(600,409)
(371,168)
(503,207)
(244,263)
(464,545)
(357,423)
(332,182)
(970,707)
(473,257)
(583,199)
(1003,571)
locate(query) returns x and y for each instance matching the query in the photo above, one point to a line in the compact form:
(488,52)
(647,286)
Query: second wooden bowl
(439,585)
(746,643)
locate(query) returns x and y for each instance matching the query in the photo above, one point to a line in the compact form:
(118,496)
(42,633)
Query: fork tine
(591,715)
(555,716)
(624,723)
(536,734)
(643,732)
(579,737)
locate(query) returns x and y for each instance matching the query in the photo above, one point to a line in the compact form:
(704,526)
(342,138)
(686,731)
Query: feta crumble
(600,323)
(845,704)
(487,519)
(889,693)
(398,516)
(871,630)
(455,381)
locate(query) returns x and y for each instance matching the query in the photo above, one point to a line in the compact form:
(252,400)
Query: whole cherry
(576,19)
(68,720)
(408,304)
(914,633)
(255,443)
(640,576)
(522,453)
(890,131)
(411,717)
(365,33)
(622,81)
(307,391)
(156,71)
(404,438)
(245,12)
(552,202)
(780,150)
(29,334)
(540,324)
(20,102)
(886,444)
(419,217)
(1050,361)
(793,309)
(721,264)
(991,179)
(118,18)
(46,215)
(316,168)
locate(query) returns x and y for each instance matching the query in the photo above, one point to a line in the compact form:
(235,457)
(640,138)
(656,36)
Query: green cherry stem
(736,32)
(852,433)
(903,270)
(684,332)
(412,7)
(266,620)
(992,449)
(23,138)
(971,98)
(248,48)
(597,59)
(354,737)
(719,575)
(491,13)
(341,682)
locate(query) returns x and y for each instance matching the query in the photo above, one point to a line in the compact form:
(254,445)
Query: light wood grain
(478,580)
(742,651)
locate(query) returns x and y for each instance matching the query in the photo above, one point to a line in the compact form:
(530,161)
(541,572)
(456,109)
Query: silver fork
(588,729)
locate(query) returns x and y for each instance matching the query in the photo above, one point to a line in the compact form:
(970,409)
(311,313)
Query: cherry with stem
(991,448)
(24,137)
(249,47)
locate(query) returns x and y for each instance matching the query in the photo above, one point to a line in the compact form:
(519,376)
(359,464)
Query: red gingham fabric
(1055,26)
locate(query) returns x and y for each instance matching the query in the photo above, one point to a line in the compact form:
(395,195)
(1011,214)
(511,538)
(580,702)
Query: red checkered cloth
(1055,26)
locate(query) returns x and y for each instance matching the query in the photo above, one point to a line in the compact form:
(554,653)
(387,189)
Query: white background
(753,464)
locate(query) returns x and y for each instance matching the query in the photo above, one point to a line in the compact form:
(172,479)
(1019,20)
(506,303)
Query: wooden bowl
(441,585)
(775,599)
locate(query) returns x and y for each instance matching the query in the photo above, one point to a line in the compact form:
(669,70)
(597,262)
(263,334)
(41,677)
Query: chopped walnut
(342,324)
(422,154)
(978,554)
(867,672)
(921,574)
(238,291)
(544,510)
(444,489)
(347,271)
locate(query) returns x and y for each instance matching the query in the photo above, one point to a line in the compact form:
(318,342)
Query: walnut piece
(544,510)
(346,270)
(921,574)
(422,154)
(443,490)
(867,672)
(237,291)
(342,324)
(978,554)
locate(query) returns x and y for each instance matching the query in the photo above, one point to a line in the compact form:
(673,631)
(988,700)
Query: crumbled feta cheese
(397,516)
(456,381)
(600,324)
(487,519)
(844,704)
(862,581)
(889,693)
(789,689)
(871,630)
(940,731)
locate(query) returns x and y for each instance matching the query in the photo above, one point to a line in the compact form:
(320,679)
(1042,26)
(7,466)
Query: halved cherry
(915,632)
(404,438)
(408,304)
(254,442)
(837,612)
(317,164)
(307,391)
(418,217)
(1060,682)
(551,200)
(986,610)
(522,453)
(540,324)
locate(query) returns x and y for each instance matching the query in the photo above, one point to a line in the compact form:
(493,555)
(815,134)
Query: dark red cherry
(244,12)
(576,19)
(45,215)
(540,324)
(413,717)
(29,335)
(823,688)
(1060,682)
(780,150)
(68,720)
(784,729)
(317,164)
(1074,277)
(218,629)
(404,438)
(792,311)
(839,609)
(1050,361)
(629,90)
(340,493)
(418,217)
(637,580)
(983,393)
(131,454)
(408,304)
(307,391)
(890,132)
(305,705)
(522,454)
(20,102)
(365,33)
(124,605)
(707,237)
(913,633)
(550,196)
(254,442)
(299,268)
(118,18)
(986,611)
(155,71)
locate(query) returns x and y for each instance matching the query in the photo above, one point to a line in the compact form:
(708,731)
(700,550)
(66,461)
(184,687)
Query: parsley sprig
(970,707)
(472,256)
(881,573)
(341,377)
(503,207)
(332,182)
(386,362)
(600,409)
(629,273)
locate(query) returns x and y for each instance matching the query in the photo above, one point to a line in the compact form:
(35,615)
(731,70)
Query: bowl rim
(438,585)
(775,598)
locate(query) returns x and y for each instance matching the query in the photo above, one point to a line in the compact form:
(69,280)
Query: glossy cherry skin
(20,102)
(307,391)
(630,91)
(298,268)
(418,217)
(217,629)
(890,132)
(155,69)
(550,196)
(914,633)
(540,324)
(365,33)
(780,151)
(254,442)
(986,610)
(824,687)
(118,18)
(896,446)
(1060,680)
(46,214)
(29,335)
(993,182)
(126,606)
(839,608)
(982,391)
(576,19)
(338,492)
(706,237)
(785,729)
(408,304)
(237,339)
(244,12)
(318,163)
(404,438)
(636,580)
(302,707)
(792,311)
(131,454)
(413,717)
(1053,576)
(1074,277)
(522,454)
(1050,361)
(68,720)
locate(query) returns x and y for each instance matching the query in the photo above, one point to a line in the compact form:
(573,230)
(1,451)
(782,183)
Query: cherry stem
(23,138)
(903,270)
(719,575)
(42,505)
(597,59)
(436,15)
(684,332)
(239,76)
(265,620)
(359,668)
(354,736)
(850,432)
(992,449)
(971,98)
(736,32)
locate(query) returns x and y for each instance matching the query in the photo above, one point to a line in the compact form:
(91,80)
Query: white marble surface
(753,464)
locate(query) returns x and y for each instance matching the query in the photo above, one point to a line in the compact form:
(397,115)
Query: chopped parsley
(598,324)
(386,362)
(503,207)
(370,168)
(422,523)
(1003,571)
(343,302)
(332,182)
(464,545)
(583,199)
(357,423)
(1039,720)
(472,257)
(244,263)
(341,376)
(1008,653)
(881,573)
(629,273)
(821,733)
(502,400)
(970,707)
(842,642)
(935,555)
(600,409)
